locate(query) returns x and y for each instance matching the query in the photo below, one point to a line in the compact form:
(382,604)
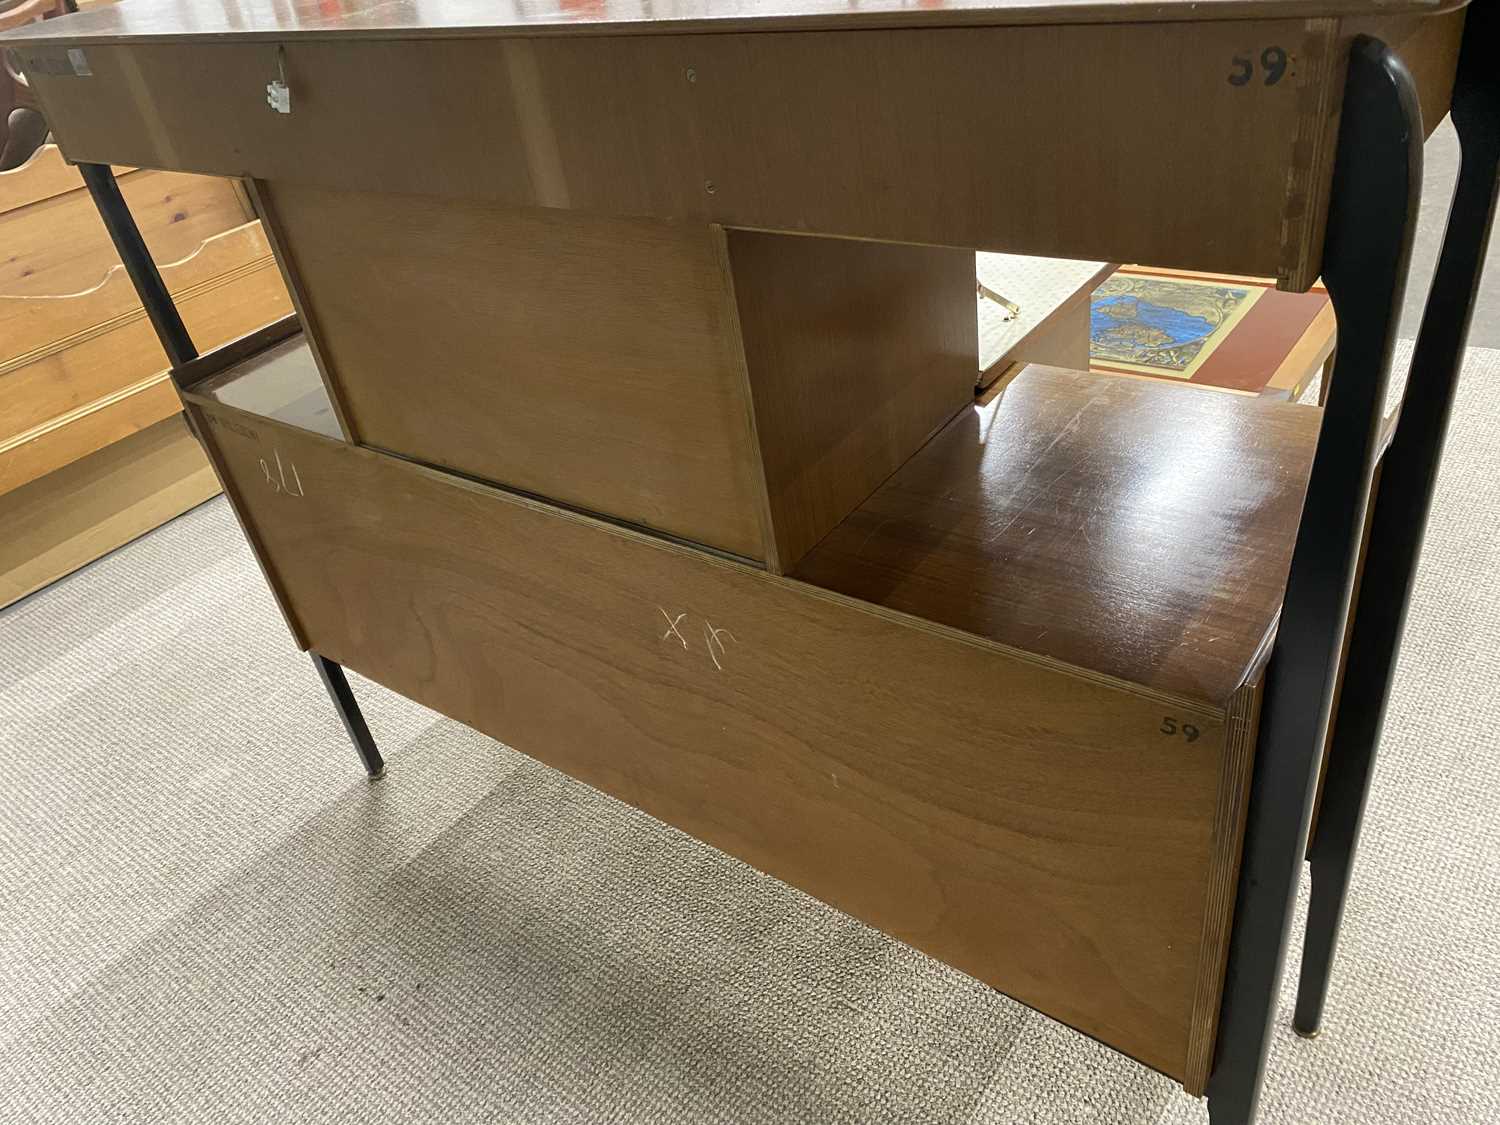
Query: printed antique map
(1161,326)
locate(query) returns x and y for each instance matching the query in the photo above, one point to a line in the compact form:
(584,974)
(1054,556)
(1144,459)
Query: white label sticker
(80,62)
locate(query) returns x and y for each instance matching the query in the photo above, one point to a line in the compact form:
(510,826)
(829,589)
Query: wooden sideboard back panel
(587,359)
(906,136)
(856,352)
(1026,822)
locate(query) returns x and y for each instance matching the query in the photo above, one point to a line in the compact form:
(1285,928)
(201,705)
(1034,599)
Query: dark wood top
(1133,527)
(160,20)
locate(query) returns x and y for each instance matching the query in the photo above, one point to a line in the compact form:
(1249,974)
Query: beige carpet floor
(207,915)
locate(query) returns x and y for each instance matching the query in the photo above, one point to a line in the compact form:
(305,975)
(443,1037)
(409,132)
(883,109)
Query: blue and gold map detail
(1163,326)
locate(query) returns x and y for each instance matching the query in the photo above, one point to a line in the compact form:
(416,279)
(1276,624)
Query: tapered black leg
(353,719)
(1408,475)
(139,265)
(178,345)
(1376,184)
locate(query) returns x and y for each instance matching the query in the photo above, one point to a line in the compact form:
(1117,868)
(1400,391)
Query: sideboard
(631,421)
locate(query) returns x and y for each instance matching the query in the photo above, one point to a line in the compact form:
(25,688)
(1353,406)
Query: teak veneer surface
(1031,824)
(381,18)
(856,353)
(786,131)
(589,359)
(1136,528)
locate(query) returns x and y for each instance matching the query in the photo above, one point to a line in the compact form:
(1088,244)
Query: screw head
(710,187)
(692,75)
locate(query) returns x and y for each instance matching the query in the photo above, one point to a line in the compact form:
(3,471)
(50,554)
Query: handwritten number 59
(1170,726)
(1273,62)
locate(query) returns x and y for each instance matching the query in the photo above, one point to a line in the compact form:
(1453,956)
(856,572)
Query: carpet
(208,915)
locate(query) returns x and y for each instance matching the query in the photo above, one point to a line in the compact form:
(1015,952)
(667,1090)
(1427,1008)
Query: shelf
(1047,290)
(1134,528)
(281,382)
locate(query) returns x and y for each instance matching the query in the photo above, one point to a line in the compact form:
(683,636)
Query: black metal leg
(1408,475)
(347,706)
(178,345)
(1371,220)
(138,263)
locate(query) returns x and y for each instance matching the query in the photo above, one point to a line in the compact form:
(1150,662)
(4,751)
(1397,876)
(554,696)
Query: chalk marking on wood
(711,638)
(672,627)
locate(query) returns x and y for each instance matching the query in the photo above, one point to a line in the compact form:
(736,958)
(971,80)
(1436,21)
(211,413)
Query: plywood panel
(589,360)
(857,352)
(891,135)
(1138,528)
(1030,824)
(86,509)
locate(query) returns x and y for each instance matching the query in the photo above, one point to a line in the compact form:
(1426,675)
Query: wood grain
(1428,46)
(243,347)
(1242,731)
(585,359)
(91,346)
(1136,528)
(270,221)
(1307,357)
(81,512)
(857,353)
(33,327)
(310,19)
(1026,822)
(44,174)
(57,246)
(86,430)
(766,134)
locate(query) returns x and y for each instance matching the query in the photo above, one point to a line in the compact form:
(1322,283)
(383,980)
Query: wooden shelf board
(1138,529)
(1046,289)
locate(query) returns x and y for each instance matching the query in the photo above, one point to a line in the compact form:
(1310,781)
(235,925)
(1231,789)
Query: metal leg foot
(347,706)
(1408,475)
(1372,217)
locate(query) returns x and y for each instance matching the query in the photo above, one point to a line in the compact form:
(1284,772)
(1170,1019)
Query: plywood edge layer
(734,347)
(1310,177)
(201,415)
(1241,730)
(286,263)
